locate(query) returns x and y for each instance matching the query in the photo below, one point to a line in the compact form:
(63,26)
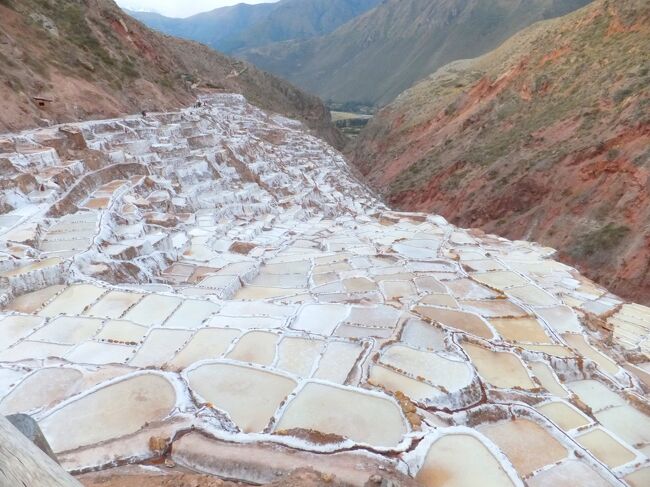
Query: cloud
(181,8)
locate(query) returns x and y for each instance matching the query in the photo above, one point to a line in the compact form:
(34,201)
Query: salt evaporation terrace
(217,278)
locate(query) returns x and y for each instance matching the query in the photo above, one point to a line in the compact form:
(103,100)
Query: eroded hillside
(67,60)
(546,138)
(212,289)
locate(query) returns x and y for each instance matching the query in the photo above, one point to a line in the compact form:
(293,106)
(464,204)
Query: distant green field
(336,116)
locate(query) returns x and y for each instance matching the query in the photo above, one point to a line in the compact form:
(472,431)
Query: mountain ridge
(243,26)
(377,55)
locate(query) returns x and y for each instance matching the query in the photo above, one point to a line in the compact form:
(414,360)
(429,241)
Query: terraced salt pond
(244,296)
(446,464)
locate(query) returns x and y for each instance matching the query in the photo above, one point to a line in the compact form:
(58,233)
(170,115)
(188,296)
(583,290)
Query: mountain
(246,26)
(545,138)
(89,59)
(216,28)
(374,57)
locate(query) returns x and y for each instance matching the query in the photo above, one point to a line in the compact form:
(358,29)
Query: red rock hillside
(547,138)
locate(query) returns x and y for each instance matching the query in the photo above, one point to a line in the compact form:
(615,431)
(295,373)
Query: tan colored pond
(121,408)
(439,371)
(467,322)
(493,308)
(579,343)
(207,343)
(571,473)
(298,355)
(527,445)
(13,328)
(28,350)
(191,314)
(42,388)
(561,318)
(320,318)
(395,382)
(99,353)
(32,302)
(549,381)
(34,266)
(423,335)
(159,347)
(250,396)
(257,347)
(500,369)
(345,412)
(446,464)
(604,447)
(359,285)
(122,331)
(154,309)
(114,304)
(532,296)
(595,394)
(628,423)
(73,300)
(68,330)
(396,290)
(563,415)
(640,478)
(259,292)
(444,300)
(520,330)
(337,361)
(469,289)
(500,280)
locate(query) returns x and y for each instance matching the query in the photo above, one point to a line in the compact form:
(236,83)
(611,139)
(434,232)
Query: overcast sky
(181,8)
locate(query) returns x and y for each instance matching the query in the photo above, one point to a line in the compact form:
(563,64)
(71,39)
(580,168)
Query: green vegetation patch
(597,242)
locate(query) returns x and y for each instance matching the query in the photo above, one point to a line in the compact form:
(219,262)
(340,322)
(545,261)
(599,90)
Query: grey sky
(181,8)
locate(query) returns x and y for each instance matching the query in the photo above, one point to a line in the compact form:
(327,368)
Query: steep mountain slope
(374,57)
(245,26)
(89,59)
(546,138)
(215,28)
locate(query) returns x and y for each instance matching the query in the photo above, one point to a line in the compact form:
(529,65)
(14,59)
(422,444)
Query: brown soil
(134,477)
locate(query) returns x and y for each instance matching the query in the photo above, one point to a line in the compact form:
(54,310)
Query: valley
(350,124)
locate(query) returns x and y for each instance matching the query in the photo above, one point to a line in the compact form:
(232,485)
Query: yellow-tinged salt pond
(446,464)
(250,396)
(348,413)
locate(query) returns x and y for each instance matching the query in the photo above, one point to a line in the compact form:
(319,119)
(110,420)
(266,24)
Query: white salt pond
(446,464)
(437,370)
(348,413)
(249,396)
(500,369)
(121,408)
(527,445)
